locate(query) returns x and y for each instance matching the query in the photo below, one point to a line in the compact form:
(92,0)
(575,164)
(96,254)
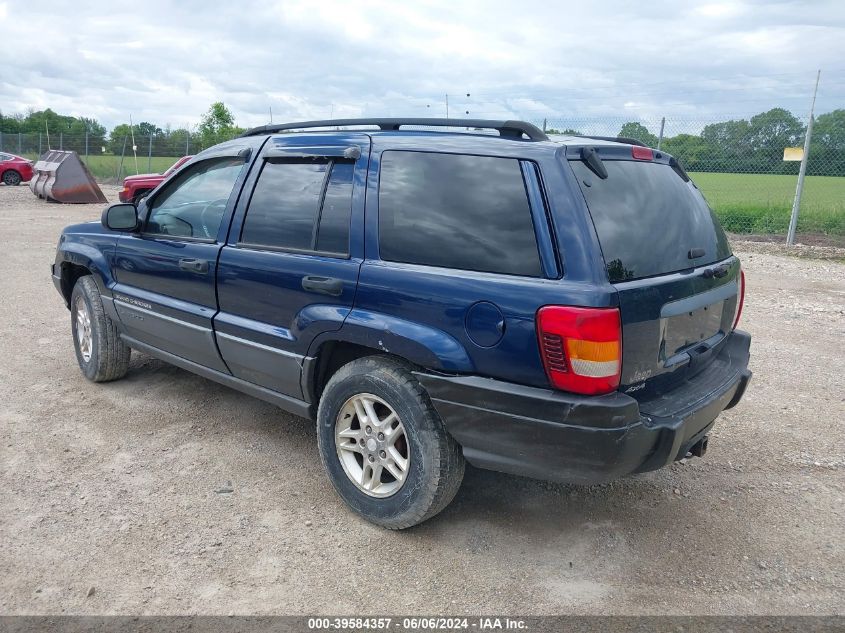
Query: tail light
(740,298)
(581,348)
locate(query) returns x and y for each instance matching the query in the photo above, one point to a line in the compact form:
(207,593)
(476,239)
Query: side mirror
(120,217)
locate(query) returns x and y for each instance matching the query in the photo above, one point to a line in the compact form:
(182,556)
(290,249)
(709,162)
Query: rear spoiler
(613,139)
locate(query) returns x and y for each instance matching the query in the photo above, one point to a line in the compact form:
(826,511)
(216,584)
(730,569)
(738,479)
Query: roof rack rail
(615,139)
(508,129)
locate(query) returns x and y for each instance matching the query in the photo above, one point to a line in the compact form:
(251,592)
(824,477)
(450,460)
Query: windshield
(649,220)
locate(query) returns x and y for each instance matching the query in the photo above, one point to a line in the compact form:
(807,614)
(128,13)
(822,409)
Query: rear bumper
(580,439)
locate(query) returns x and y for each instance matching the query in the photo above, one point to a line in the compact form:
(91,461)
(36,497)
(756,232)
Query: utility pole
(799,189)
(134,147)
(660,138)
(447,105)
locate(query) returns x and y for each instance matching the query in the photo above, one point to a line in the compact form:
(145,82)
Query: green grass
(762,203)
(745,203)
(104,167)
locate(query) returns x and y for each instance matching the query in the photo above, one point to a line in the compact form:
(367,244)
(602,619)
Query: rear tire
(11,178)
(100,352)
(433,461)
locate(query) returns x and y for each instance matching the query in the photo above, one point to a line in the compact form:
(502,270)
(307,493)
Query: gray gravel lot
(113,486)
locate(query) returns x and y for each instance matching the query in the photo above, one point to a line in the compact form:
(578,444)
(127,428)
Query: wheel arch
(78,261)
(70,274)
(369,334)
(329,356)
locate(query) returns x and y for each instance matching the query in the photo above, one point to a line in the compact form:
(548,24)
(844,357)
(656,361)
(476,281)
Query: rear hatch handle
(716,271)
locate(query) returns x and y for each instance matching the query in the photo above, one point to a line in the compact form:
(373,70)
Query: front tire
(100,352)
(11,178)
(384,446)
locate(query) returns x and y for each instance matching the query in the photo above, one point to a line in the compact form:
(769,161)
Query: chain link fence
(112,159)
(738,164)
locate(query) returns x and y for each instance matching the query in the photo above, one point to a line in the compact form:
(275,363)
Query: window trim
(541,217)
(533,213)
(178,238)
(328,159)
(252,246)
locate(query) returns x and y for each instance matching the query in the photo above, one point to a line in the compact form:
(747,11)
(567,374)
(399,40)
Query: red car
(14,170)
(136,187)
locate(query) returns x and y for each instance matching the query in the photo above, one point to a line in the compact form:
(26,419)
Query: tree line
(216,125)
(754,145)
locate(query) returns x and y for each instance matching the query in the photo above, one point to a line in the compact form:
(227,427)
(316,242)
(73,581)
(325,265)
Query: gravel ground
(111,493)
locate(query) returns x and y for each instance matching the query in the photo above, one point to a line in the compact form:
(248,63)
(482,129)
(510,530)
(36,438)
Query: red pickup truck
(138,186)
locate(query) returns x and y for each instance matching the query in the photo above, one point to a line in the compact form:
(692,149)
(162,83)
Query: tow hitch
(700,447)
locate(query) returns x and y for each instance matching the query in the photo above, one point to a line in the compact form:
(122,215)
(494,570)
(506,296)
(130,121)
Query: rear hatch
(668,258)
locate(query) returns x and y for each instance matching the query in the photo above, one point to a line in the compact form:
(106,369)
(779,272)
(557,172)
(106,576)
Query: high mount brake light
(740,298)
(641,153)
(581,348)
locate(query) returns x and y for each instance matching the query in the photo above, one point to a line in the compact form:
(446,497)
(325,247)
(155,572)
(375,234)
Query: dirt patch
(779,247)
(121,486)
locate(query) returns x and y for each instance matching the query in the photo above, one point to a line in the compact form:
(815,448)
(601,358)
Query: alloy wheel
(372,445)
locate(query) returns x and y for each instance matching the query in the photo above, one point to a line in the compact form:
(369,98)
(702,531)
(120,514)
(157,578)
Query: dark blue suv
(564,309)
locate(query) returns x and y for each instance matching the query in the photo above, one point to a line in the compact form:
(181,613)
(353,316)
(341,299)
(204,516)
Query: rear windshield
(649,220)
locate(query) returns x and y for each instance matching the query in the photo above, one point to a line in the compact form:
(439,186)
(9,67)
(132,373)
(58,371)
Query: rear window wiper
(592,160)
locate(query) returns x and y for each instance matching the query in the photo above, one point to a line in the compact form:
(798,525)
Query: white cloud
(168,62)
(720,9)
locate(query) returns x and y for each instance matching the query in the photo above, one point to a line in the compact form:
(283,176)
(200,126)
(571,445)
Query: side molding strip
(266,348)
(291,405)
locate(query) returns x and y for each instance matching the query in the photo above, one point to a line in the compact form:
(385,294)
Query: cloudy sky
(165,62)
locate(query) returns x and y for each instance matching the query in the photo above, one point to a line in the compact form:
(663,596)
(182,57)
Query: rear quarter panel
(421,312)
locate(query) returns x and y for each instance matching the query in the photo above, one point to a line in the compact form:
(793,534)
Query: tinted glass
(284,205)
(648,219)
(193,204)
(456,211)
(333,235)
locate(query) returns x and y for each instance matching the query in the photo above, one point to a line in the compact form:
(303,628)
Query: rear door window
(456,211)
(301,206)
(649,221)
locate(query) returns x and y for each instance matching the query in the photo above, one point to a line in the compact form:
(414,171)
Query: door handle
(193,265)
(325,285)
